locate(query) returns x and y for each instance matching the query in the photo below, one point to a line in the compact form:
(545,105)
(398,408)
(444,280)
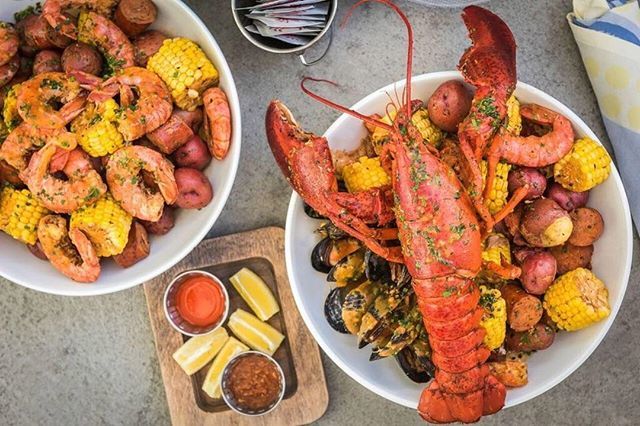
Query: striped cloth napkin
(608,35)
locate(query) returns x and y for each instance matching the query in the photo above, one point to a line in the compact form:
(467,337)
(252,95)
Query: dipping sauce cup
(196,303)
(252,383)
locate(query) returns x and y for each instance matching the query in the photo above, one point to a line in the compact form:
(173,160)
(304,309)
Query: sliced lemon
(257,334)
(199,350)
(256,293)
(230,349)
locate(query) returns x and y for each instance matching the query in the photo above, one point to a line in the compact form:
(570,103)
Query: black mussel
(420,369)
(320,255)
(377,268)
(311,212)
(333,310)
(349,269)
(356,303)
(328,229)
(399,274)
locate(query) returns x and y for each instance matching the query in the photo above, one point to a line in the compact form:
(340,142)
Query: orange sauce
(200,301)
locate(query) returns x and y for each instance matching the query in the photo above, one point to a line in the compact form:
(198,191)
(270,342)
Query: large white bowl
(18,265)
(611,262)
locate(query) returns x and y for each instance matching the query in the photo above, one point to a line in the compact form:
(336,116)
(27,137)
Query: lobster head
(491,59)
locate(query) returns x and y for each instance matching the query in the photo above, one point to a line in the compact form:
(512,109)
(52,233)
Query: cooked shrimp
(35,97)
(102,33)
(53,12)
(69,251)
(217,122)
(23,141)
(150,111)
(127,186)
(83,184)
(9,42)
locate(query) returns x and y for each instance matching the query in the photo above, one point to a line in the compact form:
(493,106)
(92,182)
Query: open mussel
(349,270)
(328,252)
(333,310)
(356,303)
(378,315)
(311,212)
(377,268)
(404,327)
(415,359)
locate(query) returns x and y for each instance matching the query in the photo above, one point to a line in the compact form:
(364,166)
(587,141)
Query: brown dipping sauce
(254,383)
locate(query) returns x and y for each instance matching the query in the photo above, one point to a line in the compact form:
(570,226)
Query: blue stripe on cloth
(626,145)
(614,24)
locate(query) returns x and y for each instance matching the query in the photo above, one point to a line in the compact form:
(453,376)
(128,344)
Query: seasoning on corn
(587,165)
(96,129)
(105,223)
(496,249)
(430,133)
(364,174)
(514,120)
(10,109)
(20,213)
(185,69)
(499,193)
(577,299)
(494,320)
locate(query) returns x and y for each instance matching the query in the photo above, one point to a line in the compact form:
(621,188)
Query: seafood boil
(106,127)
(448,192)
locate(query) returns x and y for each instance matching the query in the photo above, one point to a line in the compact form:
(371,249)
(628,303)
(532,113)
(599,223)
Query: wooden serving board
(306,396)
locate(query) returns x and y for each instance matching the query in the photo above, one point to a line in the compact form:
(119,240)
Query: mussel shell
(311,212)
(330,230)
(376,267)
(418,369)
(333,310)
(320,255)
(352,265)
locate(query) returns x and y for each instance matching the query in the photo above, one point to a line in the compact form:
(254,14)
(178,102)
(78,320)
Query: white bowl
(20,266)
(611,262)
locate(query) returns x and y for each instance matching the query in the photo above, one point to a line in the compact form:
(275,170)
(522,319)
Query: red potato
(512,223)
(146,44)
(449,105)
(520,253)
(194,154)
(545,224)
(569,257)
(164,224)
(567,199)
(137,247)
(536,181)
(192,118)
(538,272)
(81,57)
(523,309)
(538,338)
(36,250)
(588,226)
(46,61)
(33,31)
(194,189)
(134,16)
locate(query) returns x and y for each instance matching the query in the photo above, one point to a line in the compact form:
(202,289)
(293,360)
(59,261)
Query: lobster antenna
(409,36)
(339,107)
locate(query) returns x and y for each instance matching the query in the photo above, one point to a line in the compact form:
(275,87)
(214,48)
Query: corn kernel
(587,165)
(20,213)
(364,174)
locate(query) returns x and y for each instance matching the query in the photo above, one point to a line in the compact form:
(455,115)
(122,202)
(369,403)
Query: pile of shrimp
(48,78)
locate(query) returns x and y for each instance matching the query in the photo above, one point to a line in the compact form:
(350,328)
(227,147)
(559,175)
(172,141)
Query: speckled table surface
(92,360)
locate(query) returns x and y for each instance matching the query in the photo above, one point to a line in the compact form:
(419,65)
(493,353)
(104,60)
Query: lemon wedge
(199,350)
(256,293)
(257,334)
(230,349)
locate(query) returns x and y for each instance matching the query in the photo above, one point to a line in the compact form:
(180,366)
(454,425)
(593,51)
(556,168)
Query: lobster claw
(491,59)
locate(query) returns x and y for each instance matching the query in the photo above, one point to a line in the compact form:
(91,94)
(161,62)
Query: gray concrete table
(92,360)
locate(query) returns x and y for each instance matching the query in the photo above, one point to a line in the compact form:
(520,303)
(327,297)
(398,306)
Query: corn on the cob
(105,223)
(186,70)
(97,131)
(587,164)
(577,299)
(364,174)
(499,193)
(494,319)
(496,249)
(20,213)
(430,133)
(514,120)
(10,109)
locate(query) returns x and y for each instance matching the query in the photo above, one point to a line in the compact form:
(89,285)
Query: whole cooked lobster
(440,221)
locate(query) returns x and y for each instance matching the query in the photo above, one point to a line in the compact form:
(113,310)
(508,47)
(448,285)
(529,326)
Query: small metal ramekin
(228,397)
(275,46)
(171,311)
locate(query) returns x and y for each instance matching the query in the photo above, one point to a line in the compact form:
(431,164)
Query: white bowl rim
(325,345)
(221,193)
